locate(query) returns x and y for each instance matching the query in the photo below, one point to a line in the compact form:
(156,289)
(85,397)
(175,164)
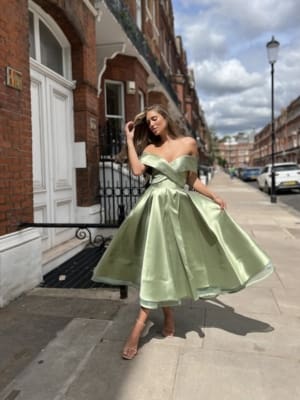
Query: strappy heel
(129,352)
(147,327)
(168,332)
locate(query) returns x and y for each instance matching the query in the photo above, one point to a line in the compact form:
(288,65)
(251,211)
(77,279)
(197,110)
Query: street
(290,198)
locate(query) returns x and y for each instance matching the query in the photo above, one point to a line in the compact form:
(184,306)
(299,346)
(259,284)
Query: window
(141,100)
(51,51)
(48,45)
(139,13)
(151,11)
(31,35)
(114,112)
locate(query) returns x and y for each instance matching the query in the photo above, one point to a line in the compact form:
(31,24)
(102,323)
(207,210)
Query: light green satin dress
(178,244)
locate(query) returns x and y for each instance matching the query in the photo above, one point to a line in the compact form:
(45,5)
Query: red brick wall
(124,68)
(15,120)
(158,98)
(78,24)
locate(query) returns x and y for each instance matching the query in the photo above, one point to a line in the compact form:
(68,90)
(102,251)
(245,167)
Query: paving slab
(58,365)
(30,322)
(250,300)
(66,307)
(278,234)
(150,376)
(288,249)
(252,333)
(290,277)
(294,232)
(288,301)
(22,337)
(285,260)
(273,281)
(206,374)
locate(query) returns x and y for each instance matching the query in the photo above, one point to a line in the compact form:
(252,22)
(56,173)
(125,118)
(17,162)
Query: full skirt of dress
(178,244)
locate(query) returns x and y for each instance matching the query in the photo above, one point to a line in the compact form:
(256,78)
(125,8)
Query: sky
(225,42)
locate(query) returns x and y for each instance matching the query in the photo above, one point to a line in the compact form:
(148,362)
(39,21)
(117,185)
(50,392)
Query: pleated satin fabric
(178,244)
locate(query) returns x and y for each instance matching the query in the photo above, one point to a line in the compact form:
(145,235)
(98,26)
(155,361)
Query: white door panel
(53,172)
(38,121)
(61,139)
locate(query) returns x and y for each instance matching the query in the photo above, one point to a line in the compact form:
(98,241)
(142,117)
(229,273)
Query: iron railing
(119,189)
(122,14)
(77,273)
(82,229)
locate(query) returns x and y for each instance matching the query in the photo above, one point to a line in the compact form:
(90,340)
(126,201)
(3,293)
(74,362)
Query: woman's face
(156,122)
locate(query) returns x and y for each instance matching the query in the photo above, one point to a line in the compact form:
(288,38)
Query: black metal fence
(119,189)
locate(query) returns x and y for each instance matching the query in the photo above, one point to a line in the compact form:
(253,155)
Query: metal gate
(119,189)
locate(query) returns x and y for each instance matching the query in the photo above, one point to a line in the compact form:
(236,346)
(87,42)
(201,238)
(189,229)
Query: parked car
(239,171)
(250,173)
(287,176)
(206,172)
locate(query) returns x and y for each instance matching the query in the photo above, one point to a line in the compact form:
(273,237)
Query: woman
(175,243)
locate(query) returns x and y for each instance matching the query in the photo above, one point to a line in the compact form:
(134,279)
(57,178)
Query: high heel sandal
(168,332)
(147,327)
(129,352)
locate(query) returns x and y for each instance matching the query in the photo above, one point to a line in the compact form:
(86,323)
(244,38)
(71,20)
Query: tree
(213,146)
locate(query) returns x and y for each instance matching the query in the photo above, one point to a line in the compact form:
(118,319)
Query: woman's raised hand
(220,201)
(129,130)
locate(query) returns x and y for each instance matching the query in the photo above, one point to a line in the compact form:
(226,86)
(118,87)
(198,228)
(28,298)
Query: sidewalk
(66,344)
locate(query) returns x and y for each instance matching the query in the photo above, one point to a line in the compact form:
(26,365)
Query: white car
(287,176)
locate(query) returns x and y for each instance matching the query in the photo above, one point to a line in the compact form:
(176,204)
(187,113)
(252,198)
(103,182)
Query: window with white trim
(153,12)
(150,8)
(48,44)
(141,100)
(139,13)
(114,113)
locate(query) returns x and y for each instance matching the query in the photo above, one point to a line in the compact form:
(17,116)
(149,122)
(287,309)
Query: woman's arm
(194,182)
(136,166)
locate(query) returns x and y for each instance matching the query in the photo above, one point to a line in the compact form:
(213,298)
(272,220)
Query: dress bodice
(175,170)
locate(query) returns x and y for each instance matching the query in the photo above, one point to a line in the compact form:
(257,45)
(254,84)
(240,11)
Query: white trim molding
(20,263)
(91,7)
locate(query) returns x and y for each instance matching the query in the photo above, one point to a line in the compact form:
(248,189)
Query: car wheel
(259,187)
(266,188)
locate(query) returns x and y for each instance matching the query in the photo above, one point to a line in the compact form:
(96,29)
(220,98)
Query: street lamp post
(298,145)
(272,49)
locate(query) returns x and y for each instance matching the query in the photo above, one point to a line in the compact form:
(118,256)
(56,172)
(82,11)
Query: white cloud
(223,77)
(226,47)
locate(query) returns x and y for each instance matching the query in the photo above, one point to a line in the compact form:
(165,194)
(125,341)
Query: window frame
(122,100)
(40,15)
(141,100)
(139,14)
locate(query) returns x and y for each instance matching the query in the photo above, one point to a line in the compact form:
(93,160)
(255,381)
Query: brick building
(287,137)
(236,150)
(68,70)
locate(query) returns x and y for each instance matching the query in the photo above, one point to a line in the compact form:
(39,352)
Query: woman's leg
(169,323)
(131,345)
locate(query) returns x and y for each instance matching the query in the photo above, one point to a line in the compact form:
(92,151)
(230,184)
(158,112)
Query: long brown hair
(143,136)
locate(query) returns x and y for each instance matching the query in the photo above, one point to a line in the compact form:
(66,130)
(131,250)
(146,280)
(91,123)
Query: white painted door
(53,172)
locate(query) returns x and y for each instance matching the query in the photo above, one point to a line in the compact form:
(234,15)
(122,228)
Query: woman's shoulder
(188,142)
(149,149)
